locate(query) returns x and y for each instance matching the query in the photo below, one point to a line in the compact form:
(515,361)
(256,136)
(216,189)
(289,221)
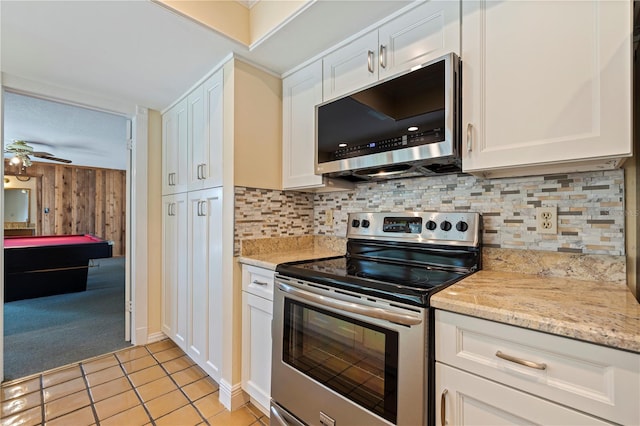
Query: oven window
(355,359)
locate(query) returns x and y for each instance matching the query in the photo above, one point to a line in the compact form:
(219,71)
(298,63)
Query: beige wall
(257,128)
(229,18)
(265,16)
(154,225)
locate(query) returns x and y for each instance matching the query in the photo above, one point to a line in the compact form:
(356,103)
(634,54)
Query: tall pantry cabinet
(228,128)
(192,223)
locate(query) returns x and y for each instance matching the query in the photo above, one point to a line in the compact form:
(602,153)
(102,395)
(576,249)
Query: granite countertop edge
(560,306)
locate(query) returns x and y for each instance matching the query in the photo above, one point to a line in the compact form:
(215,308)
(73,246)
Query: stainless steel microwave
(408,125)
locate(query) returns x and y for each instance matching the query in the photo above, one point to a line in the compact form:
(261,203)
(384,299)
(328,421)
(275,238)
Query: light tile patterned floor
(156,384)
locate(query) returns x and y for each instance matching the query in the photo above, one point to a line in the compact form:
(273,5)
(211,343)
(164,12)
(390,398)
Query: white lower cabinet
(493,373)
(174,265)
(257,313)
(204,343)
(466,399)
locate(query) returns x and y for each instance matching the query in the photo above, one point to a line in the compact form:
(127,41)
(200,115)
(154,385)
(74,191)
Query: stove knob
(462,226)
(445,226)
(355,223)
(431,225)
(365,223)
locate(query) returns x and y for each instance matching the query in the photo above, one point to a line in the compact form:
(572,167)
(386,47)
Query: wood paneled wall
(81,200)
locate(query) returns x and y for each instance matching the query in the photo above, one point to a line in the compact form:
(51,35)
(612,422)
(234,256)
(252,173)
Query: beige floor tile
(147,375)
(254,410)
(240,417)
(178,364)
(209,406)
(156,388)
(104,376)
(264,421)
(21,403)
(21,388)
(200,388)
(139,364)
(185,416)
(109,389)
(31,417)
(189,375)
(168,354)
(61,376)
(166,403)
(99,364)
(132,353)
(136,416)
(116,404)
(161,345)
(65,405)
(81,417)
(63,389)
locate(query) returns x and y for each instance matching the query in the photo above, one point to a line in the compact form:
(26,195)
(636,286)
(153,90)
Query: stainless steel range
(353,335)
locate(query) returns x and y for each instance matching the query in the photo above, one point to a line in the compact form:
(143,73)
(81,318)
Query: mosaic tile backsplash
(591,211)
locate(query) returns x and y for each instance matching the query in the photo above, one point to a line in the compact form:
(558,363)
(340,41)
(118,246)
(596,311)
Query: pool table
(52,264)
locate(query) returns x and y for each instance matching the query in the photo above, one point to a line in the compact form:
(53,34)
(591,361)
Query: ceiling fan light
(15,161)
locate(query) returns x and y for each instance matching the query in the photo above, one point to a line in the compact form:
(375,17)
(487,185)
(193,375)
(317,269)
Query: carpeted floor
(48,332)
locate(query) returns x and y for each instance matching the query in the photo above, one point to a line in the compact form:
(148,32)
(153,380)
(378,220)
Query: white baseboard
(232,397)
(156,337)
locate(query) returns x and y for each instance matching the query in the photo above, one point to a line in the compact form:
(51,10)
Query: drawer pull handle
(530,364)
(260,282)
(443,408)
(370,61)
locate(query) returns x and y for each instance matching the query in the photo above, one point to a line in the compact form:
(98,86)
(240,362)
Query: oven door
(339,356)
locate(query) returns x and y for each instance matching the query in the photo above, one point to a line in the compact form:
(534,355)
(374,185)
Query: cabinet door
(302,91)
(174,276)
(211,170)
(257,313)
(545,83)
(204,269)
(174,149)
(350,67)
(196,137)
(466,399)
(420,35)
(213,359)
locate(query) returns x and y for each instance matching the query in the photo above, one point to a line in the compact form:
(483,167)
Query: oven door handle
(368,311)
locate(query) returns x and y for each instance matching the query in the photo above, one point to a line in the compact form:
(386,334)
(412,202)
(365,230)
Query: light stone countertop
(604,313)
(271,260)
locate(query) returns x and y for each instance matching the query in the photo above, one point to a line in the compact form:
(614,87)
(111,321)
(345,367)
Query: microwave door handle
(368,311)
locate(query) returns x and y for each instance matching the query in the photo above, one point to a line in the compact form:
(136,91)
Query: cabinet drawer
(595,379)
(258,281)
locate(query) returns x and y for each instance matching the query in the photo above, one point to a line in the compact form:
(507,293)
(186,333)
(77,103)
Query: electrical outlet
(328,215)
(547,220)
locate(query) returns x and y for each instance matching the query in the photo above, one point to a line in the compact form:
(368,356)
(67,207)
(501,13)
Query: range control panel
(452,228)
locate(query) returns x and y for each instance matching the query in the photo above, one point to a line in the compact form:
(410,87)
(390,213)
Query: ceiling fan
(22,153)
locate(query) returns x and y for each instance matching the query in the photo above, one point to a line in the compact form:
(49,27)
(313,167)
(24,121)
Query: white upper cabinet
(301,92)
(205,134)
(174,149)
(546,86)
(430,30)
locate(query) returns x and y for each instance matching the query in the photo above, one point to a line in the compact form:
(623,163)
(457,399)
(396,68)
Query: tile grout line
(88,389)
(206,421)
(135,389)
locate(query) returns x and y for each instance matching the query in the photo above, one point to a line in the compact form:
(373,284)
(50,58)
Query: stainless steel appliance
(406,126)
(353,335)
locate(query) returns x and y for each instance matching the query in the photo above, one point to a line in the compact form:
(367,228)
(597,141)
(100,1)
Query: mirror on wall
(21,201)
(17,205)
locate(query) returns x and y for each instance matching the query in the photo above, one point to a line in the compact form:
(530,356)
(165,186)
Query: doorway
(75,198)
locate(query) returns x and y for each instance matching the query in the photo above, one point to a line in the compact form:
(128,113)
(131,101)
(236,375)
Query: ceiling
(119,54)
